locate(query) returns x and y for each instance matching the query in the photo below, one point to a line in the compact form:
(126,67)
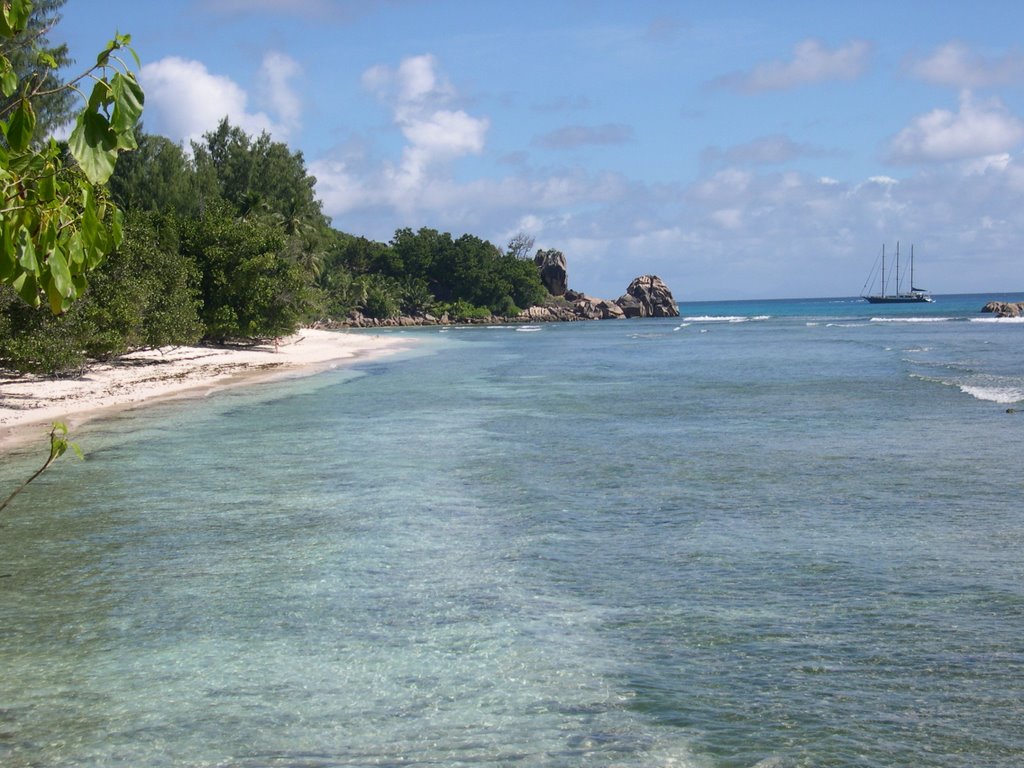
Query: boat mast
(883,269)
(897,267)
(912,289)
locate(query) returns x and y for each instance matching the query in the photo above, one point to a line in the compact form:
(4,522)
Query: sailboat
(909,297)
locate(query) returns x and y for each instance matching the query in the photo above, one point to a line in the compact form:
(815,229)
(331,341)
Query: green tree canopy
(249,289)
(157,176)
(259,177)
(34,61)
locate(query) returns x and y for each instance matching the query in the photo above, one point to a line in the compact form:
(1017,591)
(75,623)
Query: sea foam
(725,318)
(1005,395)
(1008,320)
(911,319)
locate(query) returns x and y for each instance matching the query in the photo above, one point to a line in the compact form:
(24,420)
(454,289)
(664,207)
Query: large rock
(630,305)
(1004,308)
(553,271)
(648,296)
(590,308)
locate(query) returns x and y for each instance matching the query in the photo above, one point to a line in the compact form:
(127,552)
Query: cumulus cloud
(956,66)
(421,100)
(812,62)
(573,136)
(184,99)
(975,130)
(276,73)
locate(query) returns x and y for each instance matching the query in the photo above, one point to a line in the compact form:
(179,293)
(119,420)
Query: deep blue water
(782,533)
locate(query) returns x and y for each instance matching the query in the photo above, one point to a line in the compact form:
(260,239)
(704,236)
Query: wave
(528,328)
(996,392)
(1004,395)
(1010,320)
(725,318)
(912,319)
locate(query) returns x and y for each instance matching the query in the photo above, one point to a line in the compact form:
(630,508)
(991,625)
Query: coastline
(30,404)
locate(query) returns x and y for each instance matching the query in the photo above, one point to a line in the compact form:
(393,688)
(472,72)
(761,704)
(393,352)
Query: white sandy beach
(29,404)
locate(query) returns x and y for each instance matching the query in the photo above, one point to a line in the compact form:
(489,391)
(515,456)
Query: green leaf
(26,252)
(8,77)
(26,286)
(23,123)
(45,58)
(54,297)
(117,227)
(7,261)
(60,274)
(47,188)
(16,14)
(128,101)
(90,222)
(94,146)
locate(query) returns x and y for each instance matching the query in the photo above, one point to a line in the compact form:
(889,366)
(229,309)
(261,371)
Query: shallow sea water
(764,534)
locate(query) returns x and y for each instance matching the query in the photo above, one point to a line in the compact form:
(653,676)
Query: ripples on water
(789,541)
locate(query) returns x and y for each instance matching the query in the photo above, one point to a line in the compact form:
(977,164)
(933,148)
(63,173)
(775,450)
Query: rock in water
(1004,308)
(553,271)
(648,296)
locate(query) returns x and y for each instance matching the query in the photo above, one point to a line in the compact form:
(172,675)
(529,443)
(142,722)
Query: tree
(520,246)
(28,53)
(57,223)
(157,176)
(249,289)
(145,294)
(259,177)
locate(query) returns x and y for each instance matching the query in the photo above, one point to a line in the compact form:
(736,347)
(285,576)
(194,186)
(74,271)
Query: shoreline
(30,404)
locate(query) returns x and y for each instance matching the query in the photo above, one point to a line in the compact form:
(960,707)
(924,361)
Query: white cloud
(736,233)
(420,98)
(184,99)
(976,130)
(812,62)
(415,85)
(956,66)
(276,74)
(740,231)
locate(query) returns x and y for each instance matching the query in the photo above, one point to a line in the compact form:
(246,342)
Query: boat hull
(905,298)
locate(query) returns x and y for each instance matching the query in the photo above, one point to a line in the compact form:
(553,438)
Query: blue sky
(736,149)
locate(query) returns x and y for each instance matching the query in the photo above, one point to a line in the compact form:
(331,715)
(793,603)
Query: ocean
(775,534)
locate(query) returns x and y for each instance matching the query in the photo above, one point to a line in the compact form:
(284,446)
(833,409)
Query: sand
(30,404)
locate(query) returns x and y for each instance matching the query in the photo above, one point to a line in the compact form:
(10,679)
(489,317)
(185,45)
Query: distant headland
(645,296)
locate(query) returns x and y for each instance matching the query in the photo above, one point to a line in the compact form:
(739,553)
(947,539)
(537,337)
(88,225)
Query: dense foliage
(222,241)
(56,222)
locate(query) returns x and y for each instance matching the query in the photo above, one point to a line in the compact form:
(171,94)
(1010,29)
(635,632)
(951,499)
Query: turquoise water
(763,534)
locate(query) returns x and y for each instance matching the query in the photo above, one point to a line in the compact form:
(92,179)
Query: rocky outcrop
(553,272)
(590,308)
(648,296)
(1004,308)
